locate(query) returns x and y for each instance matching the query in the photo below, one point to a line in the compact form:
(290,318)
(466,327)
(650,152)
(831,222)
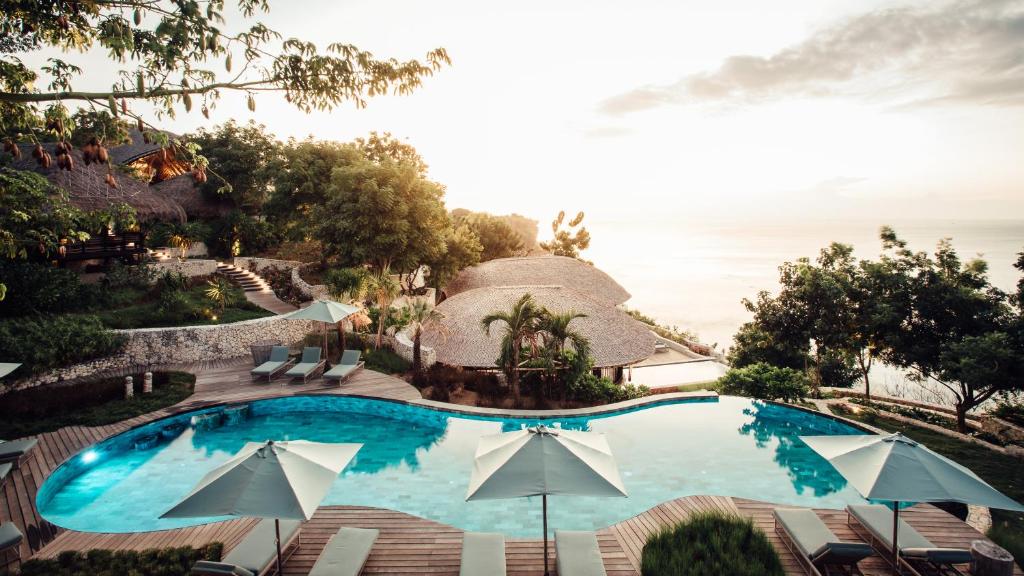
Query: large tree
(171,53)
(300,183)
(948,325)
(246,156)
(382,212)
(497,238)
(570,239)
(462,248)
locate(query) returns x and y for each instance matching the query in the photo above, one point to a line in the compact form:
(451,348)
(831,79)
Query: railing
(126,245)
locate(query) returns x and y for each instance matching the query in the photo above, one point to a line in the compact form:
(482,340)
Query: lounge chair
(308,366)
(278,361)
(815,546)
(15,450)
(918,556)
(10,539)
(483,554)
(5,470)
(256,554)
(349,365)
(578,554)
(345,553)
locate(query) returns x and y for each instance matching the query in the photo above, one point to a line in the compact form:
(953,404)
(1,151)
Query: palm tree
(557,332)
(420,315)
(348,286)
(384,290)
(521,325)
(220,291)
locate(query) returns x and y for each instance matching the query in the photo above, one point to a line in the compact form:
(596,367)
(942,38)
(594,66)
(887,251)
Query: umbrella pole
(895,538)
(544,499)
(277,531)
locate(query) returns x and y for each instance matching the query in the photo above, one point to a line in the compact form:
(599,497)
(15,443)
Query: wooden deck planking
(408,544)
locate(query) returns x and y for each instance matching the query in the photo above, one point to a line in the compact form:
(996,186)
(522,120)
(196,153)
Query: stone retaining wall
(190,268)
(150,346)
(402,345)
(310,291)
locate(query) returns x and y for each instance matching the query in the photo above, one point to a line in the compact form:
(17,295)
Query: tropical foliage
(710,543)
(765,382)
(421,314)
(570,240)
(153,562)
(521,327)
(933,315)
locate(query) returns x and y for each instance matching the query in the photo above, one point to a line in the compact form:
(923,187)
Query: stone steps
(245,279)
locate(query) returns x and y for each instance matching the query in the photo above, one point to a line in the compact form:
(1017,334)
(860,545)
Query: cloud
(969,51)
(597,132)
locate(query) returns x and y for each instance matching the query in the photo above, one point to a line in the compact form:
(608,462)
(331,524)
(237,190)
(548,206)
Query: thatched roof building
(150,160)
(87,189)
(616,339)
(544,270)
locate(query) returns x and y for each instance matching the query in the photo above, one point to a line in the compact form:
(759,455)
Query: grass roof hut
(544,270)
(458,339)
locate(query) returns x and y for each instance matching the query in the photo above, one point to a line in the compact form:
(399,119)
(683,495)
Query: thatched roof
(541,271)
(87,189)
(616,339)
(127,153)
(183,190)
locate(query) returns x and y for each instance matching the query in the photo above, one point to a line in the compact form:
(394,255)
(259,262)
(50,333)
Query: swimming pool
(418,460)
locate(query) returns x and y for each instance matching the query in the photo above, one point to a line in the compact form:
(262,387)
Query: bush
(711,543)
(34,288)
(87,403)
(443,380)
(171,281)
(765,382)
(1010,409)
(386,361)
(153,562)
(120,276)
(592,389)
(45,342)
(1010,538)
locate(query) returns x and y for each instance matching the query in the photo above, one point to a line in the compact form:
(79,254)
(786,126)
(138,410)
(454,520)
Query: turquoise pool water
(418,461)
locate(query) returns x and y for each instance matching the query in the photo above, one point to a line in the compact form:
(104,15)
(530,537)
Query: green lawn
(135,308)
(47,408)
(1006,473)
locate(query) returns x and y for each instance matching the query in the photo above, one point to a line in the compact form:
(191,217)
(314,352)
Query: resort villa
(232,349)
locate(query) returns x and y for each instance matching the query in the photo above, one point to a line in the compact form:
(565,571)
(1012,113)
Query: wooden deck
(408,544)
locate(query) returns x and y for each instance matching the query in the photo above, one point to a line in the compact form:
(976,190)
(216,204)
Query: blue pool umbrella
(540,461)
(268,480)
(896,469)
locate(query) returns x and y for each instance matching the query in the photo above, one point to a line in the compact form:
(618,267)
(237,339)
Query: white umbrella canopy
(326,311)
(543,461)
(896,469)
(268,480)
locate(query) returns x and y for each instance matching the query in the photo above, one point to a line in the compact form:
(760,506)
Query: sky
(684,109)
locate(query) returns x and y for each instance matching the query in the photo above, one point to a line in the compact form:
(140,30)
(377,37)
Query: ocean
(694,274)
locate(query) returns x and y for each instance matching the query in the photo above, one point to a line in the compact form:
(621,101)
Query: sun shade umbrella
(326,311)
(540,461)
(896,469)
(268,480)
(7,367)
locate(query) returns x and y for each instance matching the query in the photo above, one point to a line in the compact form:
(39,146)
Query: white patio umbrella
(326,311)
(896,469)
(268,480)
(8,367)
(540,461)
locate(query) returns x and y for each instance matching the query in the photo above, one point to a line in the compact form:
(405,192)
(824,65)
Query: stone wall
(402,345)
(190,268)
(309,291)
(152,346)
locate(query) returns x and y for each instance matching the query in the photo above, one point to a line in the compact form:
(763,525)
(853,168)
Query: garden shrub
(34,288)
(710,543)
(153,562)
(1010,409)
(593,389)
(119,276)
(87,403)
(44,342)
(1010,538)
(386,361)
(765,382)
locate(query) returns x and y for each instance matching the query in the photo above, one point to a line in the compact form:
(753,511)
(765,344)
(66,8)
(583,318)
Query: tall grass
(711,543)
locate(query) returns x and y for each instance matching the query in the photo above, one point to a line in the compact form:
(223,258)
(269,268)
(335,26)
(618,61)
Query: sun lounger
(815,546)
(256,554)
(578,554)
(5,470)
(483,554)
(349,365)
(278,362)
(10,539)
(345,552)
(15,450)
(918,555)
(308,366)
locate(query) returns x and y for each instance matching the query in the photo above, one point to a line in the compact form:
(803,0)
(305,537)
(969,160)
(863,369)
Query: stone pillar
(129,389)
(147,383)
